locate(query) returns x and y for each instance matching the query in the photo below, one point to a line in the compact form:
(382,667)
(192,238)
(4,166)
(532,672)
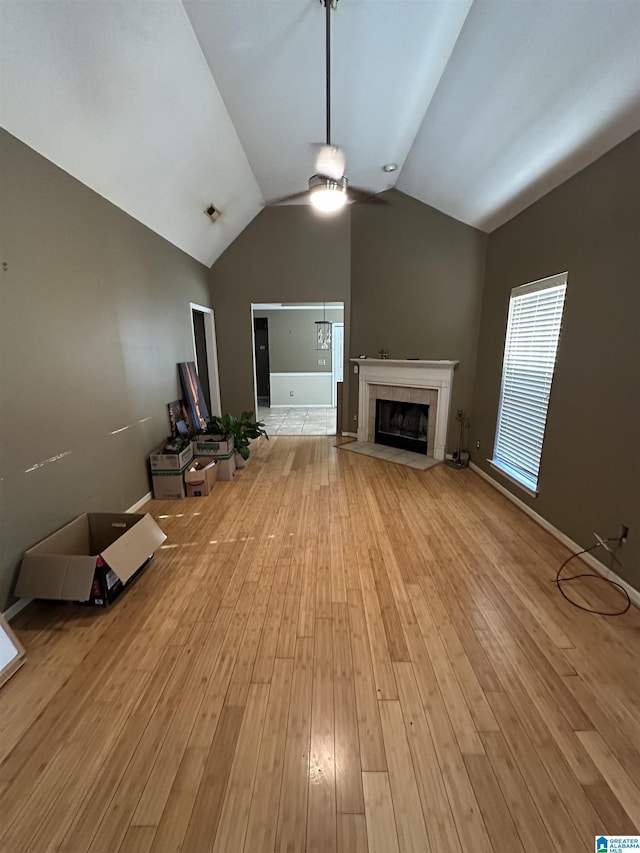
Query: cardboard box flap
(133,548)
(65,578)
(72,539)
(106,527)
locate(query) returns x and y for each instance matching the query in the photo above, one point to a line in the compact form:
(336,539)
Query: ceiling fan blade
(285,199)
(330,161)
(366,196)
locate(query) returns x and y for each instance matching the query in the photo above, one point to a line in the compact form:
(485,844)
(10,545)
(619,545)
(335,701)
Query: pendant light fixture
(323,331)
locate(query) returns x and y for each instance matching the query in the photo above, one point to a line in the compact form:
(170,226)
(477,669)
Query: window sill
(511,475)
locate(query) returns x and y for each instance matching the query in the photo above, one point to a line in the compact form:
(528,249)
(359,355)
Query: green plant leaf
(243,429)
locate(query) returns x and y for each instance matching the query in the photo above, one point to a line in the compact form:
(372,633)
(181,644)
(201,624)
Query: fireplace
(422,382)
(402,425)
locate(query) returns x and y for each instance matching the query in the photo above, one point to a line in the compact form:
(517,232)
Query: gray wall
(416,289)
(94,316)
(590,469)
(286,254)
(292,341)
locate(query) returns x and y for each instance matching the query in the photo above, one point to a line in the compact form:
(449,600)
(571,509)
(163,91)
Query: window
(533,330)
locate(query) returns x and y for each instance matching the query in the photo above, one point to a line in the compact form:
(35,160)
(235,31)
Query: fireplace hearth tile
(390,454)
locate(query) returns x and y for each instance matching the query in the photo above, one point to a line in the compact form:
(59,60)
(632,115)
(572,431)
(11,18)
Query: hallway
(298,421)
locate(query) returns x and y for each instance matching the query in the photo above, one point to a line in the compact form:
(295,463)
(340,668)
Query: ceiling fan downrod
(329,189)
(328,4)
(328,194)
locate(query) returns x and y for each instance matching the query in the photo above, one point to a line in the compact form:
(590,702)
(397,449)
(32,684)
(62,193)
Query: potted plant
(220,425)
(244,430)
(176,444)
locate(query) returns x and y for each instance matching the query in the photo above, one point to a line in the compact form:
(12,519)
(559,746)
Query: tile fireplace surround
(427,382)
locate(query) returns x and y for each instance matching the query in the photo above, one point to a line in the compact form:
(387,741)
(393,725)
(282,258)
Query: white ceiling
(163,107)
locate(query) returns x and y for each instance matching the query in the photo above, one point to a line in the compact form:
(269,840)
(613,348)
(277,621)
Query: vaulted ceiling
(164,107)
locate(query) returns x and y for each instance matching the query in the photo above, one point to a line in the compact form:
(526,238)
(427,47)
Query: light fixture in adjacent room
(323,331)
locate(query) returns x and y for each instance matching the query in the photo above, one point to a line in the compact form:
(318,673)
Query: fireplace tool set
(461,454)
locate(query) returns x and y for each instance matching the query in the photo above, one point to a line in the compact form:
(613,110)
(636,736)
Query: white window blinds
(533,330)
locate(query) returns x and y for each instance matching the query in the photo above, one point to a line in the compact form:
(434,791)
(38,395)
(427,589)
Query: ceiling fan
(329,188)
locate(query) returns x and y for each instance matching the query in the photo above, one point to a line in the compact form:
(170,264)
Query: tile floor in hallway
(298,421)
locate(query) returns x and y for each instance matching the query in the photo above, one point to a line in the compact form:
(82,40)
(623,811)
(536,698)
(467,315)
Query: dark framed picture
(196,407)
(178,418)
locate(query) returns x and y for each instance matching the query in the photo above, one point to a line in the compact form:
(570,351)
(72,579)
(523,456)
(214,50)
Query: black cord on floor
(560,581)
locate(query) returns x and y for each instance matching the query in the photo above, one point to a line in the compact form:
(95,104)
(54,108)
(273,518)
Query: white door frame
(334,379)
(297,306)
(212,352)
(253,362)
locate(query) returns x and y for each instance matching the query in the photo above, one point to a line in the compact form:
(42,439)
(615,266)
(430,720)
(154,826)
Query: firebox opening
(402,425)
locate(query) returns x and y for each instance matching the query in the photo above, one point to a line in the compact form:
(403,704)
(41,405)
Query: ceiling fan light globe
(327,195)
(328,201)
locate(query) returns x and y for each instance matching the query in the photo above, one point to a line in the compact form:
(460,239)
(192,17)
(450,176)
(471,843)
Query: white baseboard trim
(136,506)
(21,603)
(349,434)
(589,559)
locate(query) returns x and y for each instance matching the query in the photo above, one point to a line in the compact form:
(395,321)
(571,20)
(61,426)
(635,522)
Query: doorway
(261,350)
(293,378)
(205,354)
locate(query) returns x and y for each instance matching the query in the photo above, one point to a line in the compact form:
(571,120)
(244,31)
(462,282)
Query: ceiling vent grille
(213,213)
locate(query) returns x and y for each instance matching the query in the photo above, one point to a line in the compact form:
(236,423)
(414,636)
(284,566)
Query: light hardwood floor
(331,653)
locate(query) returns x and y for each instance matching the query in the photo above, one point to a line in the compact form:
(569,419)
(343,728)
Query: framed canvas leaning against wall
(194,398)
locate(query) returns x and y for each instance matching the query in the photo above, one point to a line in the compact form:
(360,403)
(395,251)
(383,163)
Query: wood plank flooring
(330,653)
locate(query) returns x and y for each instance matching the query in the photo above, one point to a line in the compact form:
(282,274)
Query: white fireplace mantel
(406,373)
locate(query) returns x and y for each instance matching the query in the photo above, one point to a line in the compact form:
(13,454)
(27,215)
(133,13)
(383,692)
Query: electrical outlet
(478,444)
(291,393)
(322,362)
(355,417)
(624,533)
(355,368)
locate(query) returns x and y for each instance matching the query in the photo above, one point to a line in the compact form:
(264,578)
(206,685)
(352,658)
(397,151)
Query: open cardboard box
(167,473)
(160,461)
(91,559)
(201,481)
(217,448)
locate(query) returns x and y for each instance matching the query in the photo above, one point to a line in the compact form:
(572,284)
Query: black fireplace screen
(402,425)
